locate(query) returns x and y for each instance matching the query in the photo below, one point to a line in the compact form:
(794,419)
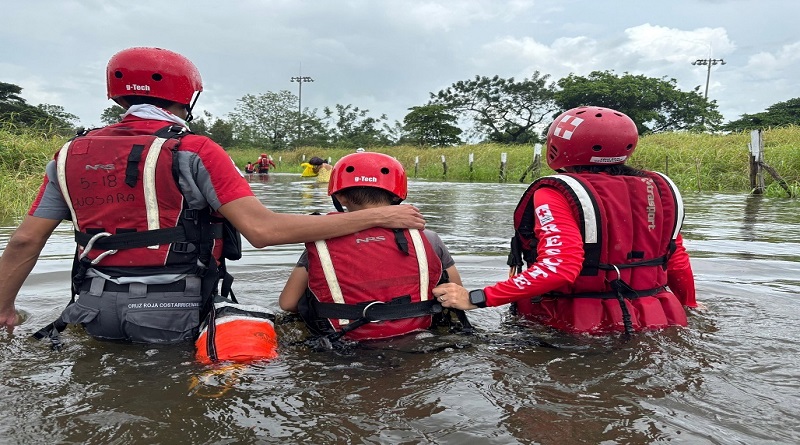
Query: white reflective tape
(422,262)
(330,275)
(679,208)
(61,169)
(589,214)
(149,185)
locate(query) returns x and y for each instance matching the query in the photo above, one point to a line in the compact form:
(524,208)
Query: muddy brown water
(731,377)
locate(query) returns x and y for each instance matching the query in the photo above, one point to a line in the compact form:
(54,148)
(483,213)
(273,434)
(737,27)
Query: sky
(389,55)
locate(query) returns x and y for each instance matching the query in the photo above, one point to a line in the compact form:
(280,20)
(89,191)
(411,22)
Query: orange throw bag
(238,333)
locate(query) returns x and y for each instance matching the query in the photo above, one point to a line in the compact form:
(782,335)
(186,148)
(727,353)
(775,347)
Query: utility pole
(300,79)
(710,62)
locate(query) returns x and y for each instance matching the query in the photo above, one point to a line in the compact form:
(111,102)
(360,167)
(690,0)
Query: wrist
(477,298)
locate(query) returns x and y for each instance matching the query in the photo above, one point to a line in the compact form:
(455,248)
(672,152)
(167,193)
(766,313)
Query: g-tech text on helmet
(365,179)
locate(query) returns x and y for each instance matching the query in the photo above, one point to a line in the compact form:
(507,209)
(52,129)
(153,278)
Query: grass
(695,162)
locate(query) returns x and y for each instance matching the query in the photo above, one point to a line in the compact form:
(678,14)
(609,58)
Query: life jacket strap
(376,310)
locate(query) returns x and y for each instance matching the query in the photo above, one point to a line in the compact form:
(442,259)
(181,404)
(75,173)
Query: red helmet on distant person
(153,72)
(263,155)
(590,136)
(369,169)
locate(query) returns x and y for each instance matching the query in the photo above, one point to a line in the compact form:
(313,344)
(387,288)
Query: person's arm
(294,289)
(18,260)
(680,277)
(559,258)
(263,227)
(453,275)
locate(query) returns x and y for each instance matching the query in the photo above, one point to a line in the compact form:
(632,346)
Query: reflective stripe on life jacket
(375,275)
(122,181)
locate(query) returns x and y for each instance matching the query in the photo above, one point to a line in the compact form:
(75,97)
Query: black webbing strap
(401,240)
(376,310)
(627,293)
(211,334)
(131,240)
(132,167)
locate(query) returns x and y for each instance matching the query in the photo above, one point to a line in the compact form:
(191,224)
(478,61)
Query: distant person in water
(264,163)
(317,167)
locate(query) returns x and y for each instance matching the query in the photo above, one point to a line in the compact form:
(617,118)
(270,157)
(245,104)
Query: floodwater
(731,377)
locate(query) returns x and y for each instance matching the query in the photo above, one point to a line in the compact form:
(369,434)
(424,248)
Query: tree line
(486,109)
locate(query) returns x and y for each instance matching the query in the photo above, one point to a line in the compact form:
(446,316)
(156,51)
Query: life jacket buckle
(366,308)
(183,247)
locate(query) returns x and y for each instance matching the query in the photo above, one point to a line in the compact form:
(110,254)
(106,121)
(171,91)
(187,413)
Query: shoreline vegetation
(696,162)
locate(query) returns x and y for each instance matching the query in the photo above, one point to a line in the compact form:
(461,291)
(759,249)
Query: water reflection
(733,376)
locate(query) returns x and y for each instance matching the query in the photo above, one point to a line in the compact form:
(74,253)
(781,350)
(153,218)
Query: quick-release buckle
(183,247)
(366,308)
(191,214)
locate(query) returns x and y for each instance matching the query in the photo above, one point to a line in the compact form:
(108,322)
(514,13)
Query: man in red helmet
(601,239)
(337,287)
(156,211)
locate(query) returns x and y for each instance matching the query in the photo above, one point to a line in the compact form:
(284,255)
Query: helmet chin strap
(189,108)
(337,204)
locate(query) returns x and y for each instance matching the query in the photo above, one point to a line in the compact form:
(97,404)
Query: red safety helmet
(369,170)
(263,155)
(590,136)
(152,72)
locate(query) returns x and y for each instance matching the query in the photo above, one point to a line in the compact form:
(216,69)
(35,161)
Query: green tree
(10,94)
(112,114)
(45,118)
(503,110)
(778,115)
(269,119)
(351,126)
(221,132)
(656,105)
(431,125)
(58,118)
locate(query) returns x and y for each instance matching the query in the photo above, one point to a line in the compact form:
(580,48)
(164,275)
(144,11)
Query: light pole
(710,62)
(300,79)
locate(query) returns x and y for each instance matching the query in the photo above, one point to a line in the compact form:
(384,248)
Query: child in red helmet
(601,239)
(375,283)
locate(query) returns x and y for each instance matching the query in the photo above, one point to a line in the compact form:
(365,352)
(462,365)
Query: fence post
(416,166)
(756,159)
(471,161)
(503,157)
(535,163)
(444,166)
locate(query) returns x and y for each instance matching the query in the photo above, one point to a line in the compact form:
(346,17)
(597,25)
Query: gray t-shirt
(433,238)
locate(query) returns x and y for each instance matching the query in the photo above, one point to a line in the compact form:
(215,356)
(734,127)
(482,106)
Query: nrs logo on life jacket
(107,167)
(370,239)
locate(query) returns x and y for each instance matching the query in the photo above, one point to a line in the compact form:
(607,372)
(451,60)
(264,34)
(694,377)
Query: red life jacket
(373,284)
(122,180)
(622,282)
